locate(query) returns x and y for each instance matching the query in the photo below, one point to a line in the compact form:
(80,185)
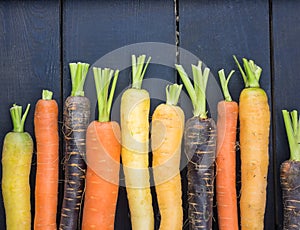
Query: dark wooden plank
(286,35)
(29,62)
(214,31)
(92,29)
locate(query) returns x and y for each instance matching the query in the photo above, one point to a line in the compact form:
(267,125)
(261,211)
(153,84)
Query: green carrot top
(196,92)
(252,72)
(224,83)
(138,70)
(173,93)
(292,126)
(78,74)
(17,119)
(47,95)
(103,78)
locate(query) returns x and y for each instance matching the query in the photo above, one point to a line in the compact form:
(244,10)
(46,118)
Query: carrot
(225,159)
(254,116)
(200,148)
(76,117)
(16,163)
(135,106)
(47,141)
(290,173)
(167,132)
(103,151)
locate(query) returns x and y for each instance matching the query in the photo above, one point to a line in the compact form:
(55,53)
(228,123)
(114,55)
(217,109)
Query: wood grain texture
(286,35)
(29,62)
(214,31)
(92,29)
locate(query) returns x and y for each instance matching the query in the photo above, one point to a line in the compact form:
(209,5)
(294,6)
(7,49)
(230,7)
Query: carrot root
(46,189)
(254,139)
(76,120)
(167,132)
(226,166)
(290,184)
(200,147)
(102,177)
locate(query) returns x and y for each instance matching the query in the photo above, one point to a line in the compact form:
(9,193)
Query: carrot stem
(293,133)
(196,92)
(47,95)
(103,78)
(17,119)
(252,72)
(224,83)
(78,74)
(138,70)
(173,93)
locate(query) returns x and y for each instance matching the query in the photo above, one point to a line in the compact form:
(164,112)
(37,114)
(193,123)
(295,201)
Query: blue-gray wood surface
(285,82)
(38,39)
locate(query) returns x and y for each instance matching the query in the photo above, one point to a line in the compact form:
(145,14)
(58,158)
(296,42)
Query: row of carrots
(93,152)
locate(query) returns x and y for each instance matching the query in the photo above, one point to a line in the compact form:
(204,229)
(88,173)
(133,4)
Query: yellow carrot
(16,163)
(166,135)
(254,115)
(135,105)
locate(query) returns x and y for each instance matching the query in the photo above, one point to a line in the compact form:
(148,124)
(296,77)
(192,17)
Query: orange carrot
(225,160)
(46,133)
(103,150)
(254,113)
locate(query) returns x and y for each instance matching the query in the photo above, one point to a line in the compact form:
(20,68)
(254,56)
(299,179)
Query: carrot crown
(138,70)
(196,92)
(103,78)
(173,93)
(17,119)
(78,74)
(252,72)
(292,126)
(224,83)
(47,95)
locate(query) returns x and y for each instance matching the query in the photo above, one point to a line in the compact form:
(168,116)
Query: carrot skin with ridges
(103,161)
(254,116)
(76,120)
(135,106)
(103,158)
(134,112)
(226,165)
(16,164)
(290,172)
(167,132)
(200,147)
(290,184)
(47,139)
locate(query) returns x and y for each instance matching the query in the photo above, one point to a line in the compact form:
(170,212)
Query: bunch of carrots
(206,149)
(93,152)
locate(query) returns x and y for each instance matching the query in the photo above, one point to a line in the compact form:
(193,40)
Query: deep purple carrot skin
(76,120)
(200,147)
(290,184)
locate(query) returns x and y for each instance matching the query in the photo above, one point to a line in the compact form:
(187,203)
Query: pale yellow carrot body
(16,164)
(167,131)
(135,105)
